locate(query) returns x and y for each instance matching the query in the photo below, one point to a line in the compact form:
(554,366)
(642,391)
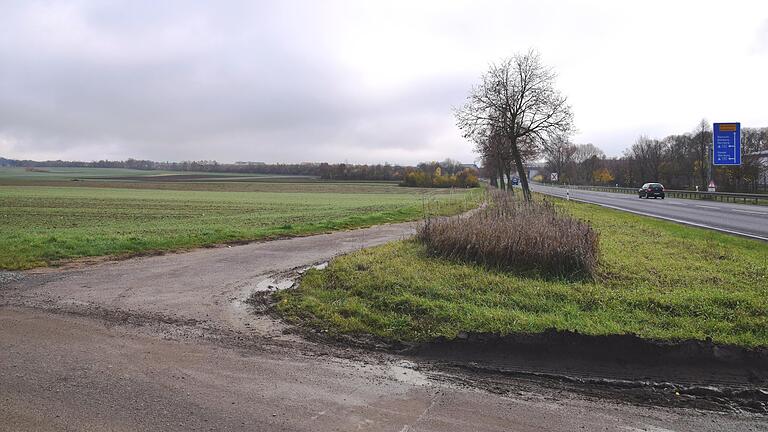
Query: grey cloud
(243,82)
(303,80)
(761,42)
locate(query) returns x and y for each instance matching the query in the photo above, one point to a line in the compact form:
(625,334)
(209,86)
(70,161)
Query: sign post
(726,144)
(553,177)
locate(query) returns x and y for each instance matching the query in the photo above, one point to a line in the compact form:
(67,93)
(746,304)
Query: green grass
(41,225)
(655,279)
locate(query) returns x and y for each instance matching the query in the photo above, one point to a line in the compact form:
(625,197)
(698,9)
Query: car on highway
(655,190)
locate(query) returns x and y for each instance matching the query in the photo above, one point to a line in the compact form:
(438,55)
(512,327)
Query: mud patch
(618,349)
(259,295)
(685,374)
(273,284)
(516,383)
(408,372)
(693,374)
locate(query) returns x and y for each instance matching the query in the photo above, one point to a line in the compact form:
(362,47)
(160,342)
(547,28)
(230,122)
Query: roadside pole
(710,157)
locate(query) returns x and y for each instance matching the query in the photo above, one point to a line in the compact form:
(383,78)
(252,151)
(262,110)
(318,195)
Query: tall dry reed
(510,233)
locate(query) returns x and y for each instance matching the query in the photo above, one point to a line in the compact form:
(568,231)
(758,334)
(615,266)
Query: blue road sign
(726,144)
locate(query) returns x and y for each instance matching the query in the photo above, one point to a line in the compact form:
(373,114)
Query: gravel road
(166,343)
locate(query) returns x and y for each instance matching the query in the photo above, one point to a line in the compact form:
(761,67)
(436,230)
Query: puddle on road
(281,282)
(243,305)
(272,284)
(402,371)
(321,266)
(405,371)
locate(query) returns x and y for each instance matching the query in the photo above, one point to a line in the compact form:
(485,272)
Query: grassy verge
(655,279)
(40,225)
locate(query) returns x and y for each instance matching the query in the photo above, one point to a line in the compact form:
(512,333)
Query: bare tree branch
(516,100)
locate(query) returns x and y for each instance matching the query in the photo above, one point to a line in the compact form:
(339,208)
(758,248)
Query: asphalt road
(741,219)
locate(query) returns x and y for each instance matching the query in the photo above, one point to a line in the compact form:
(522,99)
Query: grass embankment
(40,225)
(655,279)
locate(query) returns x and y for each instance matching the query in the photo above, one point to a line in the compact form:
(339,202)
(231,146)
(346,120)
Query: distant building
(533,169)
(249,163)
(472,167)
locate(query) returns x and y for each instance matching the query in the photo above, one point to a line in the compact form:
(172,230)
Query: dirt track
(166,343)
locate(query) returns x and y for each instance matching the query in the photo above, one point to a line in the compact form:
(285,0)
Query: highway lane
(741,219)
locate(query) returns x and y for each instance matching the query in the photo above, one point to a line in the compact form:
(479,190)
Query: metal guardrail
(675,193)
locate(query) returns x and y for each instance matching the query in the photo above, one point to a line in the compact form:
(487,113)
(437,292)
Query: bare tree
(517,98)
(583,152)
(649,156)
(490,145)
(559,154)
(702,136)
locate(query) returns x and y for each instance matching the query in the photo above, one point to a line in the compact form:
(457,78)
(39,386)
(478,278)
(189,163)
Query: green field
(186,181)
(678,283)
(16,175)
(65,173)
(44,221)
(23,174)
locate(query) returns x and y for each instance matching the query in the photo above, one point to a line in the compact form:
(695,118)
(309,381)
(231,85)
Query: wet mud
(685,374)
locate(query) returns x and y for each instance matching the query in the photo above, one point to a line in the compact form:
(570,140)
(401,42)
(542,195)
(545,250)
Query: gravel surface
(168,343)
(6,277)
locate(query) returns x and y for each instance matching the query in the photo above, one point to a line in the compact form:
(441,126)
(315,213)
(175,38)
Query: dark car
(655,190)
(515,181)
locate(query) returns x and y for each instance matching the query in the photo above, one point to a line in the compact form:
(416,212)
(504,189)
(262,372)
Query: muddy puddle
(407,372)
(281,281)
(251,305)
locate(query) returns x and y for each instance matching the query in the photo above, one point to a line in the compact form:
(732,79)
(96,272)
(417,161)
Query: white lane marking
(627,196)
(750,212)
(684,222)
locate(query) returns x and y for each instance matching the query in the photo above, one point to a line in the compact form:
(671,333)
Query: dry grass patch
(514,234)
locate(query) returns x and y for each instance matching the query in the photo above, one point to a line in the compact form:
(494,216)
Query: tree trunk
(501,174)
(521,170)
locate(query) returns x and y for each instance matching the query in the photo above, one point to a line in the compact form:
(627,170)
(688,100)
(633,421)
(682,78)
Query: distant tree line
(323,170)
(679,161)
(452,170)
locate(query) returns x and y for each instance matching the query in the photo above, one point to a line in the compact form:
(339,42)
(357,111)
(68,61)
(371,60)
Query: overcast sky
(356,81)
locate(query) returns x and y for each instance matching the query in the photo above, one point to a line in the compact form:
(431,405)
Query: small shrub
(513,234)
(418,178)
